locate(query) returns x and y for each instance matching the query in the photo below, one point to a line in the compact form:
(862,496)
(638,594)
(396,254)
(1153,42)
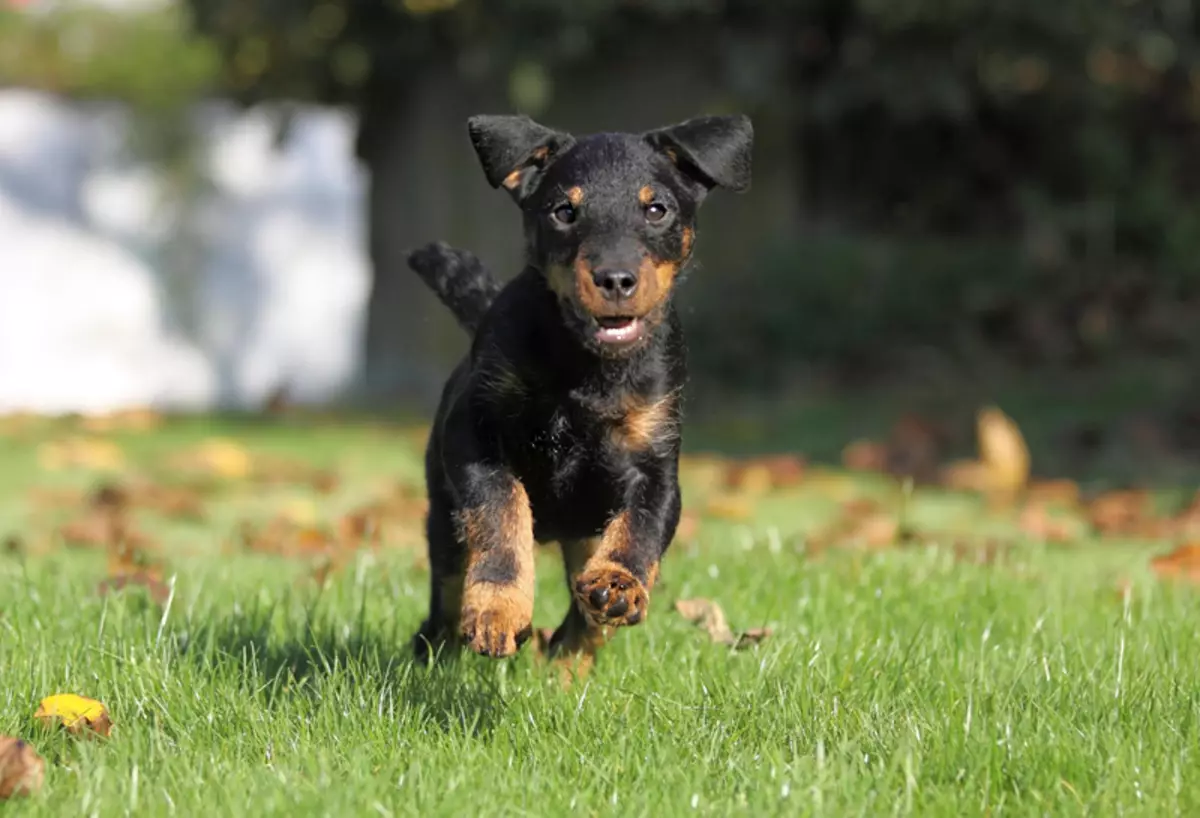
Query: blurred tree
(945,128)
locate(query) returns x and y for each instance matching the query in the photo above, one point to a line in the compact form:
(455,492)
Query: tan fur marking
(513,180)
(575,195)
(590,296)
(497,613)
(646,195)
(643,423)
(689,237)
(652,577)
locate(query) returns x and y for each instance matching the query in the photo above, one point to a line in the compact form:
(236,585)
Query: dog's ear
(711,150)
(515,151)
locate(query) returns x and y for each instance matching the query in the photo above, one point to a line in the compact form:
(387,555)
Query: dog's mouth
(618,330)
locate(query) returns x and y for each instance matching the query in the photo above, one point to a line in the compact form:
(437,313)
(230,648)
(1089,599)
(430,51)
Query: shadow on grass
(310,662)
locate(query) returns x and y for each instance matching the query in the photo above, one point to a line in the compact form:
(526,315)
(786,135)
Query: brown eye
(564,214)
(655,212)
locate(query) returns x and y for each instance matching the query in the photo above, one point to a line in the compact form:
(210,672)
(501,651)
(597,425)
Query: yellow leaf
(86,453)
(1002,449)
(21,768)
(76,713)
(225,457)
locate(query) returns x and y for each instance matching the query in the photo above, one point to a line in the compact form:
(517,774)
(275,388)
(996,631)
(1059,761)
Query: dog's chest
(575,475)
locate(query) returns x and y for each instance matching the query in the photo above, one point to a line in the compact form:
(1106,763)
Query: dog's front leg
(613,588)
(496,529)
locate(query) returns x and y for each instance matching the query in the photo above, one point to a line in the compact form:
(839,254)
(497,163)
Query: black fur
(570,391)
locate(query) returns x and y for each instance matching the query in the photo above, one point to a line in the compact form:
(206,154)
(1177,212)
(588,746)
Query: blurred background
(205,204)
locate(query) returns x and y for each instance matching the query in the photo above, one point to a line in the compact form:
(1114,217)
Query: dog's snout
(616,284)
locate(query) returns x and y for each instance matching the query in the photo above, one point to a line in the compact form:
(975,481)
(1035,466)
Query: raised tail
(459,279)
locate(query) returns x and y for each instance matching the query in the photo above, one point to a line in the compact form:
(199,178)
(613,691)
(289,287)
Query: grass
(898,681)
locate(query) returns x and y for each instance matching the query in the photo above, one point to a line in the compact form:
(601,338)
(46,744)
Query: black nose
(616,284)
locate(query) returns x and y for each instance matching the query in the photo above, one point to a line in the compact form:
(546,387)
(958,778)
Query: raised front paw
(497,630)
(611,596)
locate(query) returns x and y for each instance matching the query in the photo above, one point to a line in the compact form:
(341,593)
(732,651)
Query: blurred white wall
(116,291)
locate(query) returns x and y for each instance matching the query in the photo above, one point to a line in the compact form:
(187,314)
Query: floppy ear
(712,150)
(514,150)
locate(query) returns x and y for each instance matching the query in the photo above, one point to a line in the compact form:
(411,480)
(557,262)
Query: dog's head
(610,218)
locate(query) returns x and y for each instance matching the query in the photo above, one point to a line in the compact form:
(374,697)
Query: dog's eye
(655,212)
(564,214)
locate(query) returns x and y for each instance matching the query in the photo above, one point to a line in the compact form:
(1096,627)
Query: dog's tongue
(617,330)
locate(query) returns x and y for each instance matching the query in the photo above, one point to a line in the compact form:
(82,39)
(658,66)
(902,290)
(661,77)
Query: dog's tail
(458,278)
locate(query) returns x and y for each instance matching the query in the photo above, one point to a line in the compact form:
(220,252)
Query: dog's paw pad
(611,596)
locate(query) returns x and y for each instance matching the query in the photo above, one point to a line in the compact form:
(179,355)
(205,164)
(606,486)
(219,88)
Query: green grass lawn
(895,681)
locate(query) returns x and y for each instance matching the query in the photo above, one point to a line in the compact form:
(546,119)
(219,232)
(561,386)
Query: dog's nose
(616,284)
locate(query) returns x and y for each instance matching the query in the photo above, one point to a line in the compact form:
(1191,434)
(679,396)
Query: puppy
(563,421)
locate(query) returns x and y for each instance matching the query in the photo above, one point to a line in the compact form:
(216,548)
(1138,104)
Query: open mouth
(618,330)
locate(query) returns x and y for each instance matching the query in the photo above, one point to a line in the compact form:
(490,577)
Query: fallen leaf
(150,581)
(965,475)
(220,456)
(76,713)
(865,525)
(708,615)
(977,553)
(764,474)
(83,453)
(1120,513)
(1054,492)
(1002,448)
(865,455)
(1182,563)
(1037,521)
(22,770)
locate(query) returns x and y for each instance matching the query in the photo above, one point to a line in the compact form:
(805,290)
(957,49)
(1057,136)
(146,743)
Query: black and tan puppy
(562,423)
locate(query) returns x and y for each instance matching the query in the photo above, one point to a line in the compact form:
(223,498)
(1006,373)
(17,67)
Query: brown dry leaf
(878,530)
(83,453)
(865,455)
(965,475)
(1186,523)
(1182,563)
(150,580)
(765,474)
(1063,493)
(708,615)
(1120,513)
(865,525)
(979,553)
(76,713)
(1039,523)
(170,501)
(22,770)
